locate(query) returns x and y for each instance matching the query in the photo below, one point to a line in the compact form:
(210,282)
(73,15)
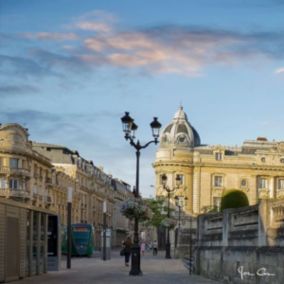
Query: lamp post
(104,229)
(169,191)
(69,233)
(129,128)
(190,247)
(180,205)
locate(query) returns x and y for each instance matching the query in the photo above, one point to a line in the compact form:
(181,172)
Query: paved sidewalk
(156,270)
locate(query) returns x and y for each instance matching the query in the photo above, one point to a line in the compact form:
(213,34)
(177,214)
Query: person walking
(155,247)
(142,247)
(127,244)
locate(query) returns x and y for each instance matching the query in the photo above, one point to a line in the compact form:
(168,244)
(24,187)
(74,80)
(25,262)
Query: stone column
(263,223)
(30,240)
(272,187)
(226,228)
(196,190)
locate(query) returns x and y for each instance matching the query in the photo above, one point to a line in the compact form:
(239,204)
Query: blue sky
(69,69)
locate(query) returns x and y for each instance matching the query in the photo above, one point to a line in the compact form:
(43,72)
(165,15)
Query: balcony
(48,181)
(14,193)
(15,172)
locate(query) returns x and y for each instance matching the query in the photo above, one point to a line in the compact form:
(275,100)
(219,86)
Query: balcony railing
(15,171)
(48,199)
(48,181)
(10,192)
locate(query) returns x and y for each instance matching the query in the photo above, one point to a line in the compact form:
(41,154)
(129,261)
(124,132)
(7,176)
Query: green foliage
(210,209)
(158,211)
(234,198)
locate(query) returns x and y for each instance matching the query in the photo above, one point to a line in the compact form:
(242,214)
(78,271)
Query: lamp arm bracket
(147,144)
(137,145)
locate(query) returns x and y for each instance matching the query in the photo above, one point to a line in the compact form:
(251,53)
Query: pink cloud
(51,36)
(279,70)
(94,26)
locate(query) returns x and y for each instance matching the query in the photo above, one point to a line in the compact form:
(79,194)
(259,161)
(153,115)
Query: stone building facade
(206,171)
(242,245)
(39,175)
(24,174)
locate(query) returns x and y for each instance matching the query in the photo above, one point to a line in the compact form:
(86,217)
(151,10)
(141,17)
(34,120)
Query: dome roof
(179,132)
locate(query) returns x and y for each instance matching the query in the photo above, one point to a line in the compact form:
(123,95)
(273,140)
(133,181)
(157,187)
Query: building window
(3,183)
(218,181)
(262,183)
(282,160)
(14,183)
(280,184)
(244,183)
(263,160)
(218,156)
(14,163)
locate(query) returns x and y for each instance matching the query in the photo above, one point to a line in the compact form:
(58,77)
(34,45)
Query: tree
(158,212)
(233,198)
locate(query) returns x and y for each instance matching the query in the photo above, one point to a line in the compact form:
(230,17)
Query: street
(156,269)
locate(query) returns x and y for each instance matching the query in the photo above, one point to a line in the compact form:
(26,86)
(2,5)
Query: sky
(69,70)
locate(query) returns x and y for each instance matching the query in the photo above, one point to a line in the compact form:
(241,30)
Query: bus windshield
(81,235)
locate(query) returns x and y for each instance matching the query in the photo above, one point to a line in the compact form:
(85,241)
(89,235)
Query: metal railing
(11,192)
(14,171)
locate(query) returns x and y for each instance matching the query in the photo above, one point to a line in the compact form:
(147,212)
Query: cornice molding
(186,164)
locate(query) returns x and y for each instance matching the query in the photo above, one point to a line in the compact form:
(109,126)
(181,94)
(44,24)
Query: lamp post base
(135,261)
(168,250)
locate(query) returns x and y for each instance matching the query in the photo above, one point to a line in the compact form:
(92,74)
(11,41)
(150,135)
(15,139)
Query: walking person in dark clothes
(127,250)
(155,247)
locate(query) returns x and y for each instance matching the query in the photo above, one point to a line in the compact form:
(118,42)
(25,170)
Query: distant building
(122,225)
(256,167)
(91,188)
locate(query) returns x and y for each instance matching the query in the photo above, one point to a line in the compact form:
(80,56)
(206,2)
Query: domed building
(205,172)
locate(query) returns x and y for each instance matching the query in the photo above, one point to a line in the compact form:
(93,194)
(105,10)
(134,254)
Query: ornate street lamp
(129,128)
(180,205)
(169,191)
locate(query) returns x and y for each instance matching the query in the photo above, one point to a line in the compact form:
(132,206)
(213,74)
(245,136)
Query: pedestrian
(142,247)
(155,247)
(127,244)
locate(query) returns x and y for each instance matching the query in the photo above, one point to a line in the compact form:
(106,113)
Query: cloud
(185,50)
(53,121)
(28,116)
(59,62)
(41,63)
(8,90)
(93,26)
(99,16)
(177,49)
(279,70)
(22,67)
(97,21)
(51,36)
